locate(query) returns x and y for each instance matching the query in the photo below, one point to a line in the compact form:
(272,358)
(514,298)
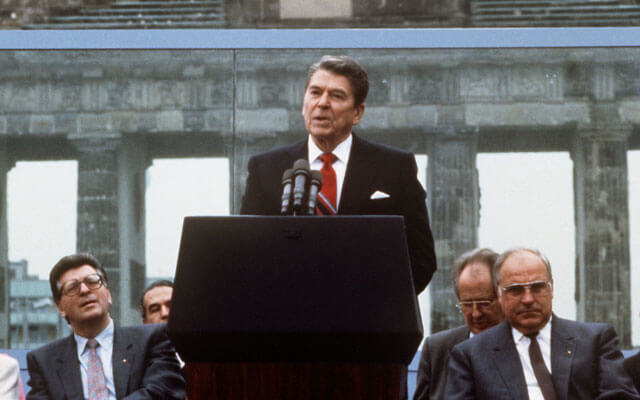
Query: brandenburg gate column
(453,196)
(5,165)
(111,216)
(602,212)
(267,115)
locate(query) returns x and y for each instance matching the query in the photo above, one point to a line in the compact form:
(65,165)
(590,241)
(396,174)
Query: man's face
(328,107)
(87,306)
(475,285)
(527,310)
(157,304)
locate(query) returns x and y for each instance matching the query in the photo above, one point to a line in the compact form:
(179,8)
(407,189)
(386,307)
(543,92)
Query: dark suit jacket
(144,367)
(585,364)
(632,366)
(432,370)
(371,167)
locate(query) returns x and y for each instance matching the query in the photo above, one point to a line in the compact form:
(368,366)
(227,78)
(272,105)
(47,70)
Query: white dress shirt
(105,351)
(342,152)
(9,378)
(522,345)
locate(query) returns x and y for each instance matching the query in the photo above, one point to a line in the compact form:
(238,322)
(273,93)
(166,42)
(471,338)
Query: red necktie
(327,198)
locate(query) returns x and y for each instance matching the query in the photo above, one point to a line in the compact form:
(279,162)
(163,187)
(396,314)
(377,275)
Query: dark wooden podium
(294,307)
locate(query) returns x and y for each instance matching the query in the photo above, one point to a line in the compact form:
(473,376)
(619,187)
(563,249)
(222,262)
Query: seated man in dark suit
(359,177)
(100,360)
(535,354)
(474,285)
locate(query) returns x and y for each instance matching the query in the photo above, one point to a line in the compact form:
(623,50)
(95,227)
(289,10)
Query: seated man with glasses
(473,284)
(100,360)
(535,354)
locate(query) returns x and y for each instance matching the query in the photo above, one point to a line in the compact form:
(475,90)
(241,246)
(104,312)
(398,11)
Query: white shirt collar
(341,151)
(104,338)
(544,334)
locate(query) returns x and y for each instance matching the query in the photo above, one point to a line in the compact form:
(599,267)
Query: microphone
(301,173)
(314,188)
(287,182)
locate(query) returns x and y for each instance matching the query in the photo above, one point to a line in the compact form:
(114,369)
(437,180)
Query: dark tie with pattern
(540,369)
(327,198)
(96,381)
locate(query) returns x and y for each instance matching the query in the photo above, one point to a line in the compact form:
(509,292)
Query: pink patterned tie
(96,381)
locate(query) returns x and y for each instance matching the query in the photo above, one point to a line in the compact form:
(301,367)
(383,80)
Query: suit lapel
(123,357)
(563,346)
(68,369)
(507,362)
(357,177)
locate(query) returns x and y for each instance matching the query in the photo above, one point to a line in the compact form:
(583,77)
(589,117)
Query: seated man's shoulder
(143,331)
(484,340)
(447,335)
(582,329)
(51,348)
(441,343)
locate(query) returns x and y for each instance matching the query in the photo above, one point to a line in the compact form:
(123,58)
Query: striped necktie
(327,198)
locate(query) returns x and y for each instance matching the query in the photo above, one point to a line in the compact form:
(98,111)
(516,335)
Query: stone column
(245,147)
(133,162)
(454,200)
(111,217)
(266,116)
(603,279)
(6,163)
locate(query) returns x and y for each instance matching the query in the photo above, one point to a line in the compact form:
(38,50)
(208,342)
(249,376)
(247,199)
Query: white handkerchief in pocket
(379,195)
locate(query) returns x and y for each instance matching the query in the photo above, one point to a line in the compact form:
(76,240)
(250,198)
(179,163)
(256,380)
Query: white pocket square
(379,195)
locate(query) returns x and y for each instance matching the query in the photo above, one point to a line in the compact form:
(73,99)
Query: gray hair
(503,257)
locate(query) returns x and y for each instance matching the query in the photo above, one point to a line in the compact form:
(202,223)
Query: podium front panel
(260,288)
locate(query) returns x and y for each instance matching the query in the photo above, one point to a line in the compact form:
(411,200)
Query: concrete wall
(114,111)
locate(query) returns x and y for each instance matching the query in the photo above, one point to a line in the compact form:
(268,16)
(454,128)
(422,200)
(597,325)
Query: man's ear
(61,311)
(359,113)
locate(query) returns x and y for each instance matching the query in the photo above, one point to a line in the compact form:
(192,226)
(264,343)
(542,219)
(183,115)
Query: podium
(298,308)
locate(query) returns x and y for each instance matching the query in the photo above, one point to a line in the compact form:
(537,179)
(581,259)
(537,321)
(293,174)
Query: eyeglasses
(468,305)
(72,287)
(537,288)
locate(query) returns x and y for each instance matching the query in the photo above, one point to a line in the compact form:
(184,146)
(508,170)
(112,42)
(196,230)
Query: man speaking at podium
(359,177)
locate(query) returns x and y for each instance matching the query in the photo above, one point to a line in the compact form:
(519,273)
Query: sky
(518,210)
(167,183)
(526,199)
(41,203)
